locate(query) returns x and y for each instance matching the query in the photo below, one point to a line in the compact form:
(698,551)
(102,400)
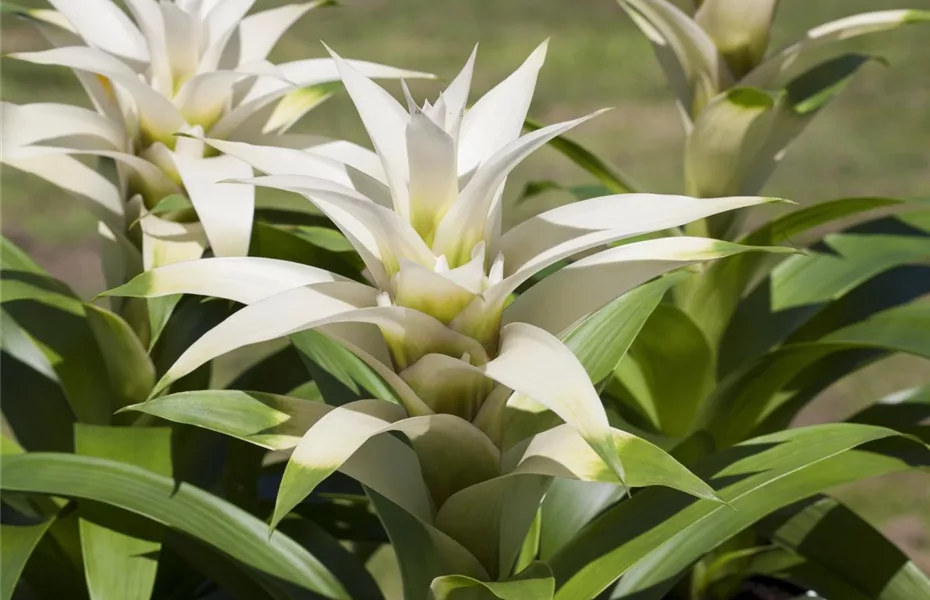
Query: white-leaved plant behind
(439,322)
(182,66)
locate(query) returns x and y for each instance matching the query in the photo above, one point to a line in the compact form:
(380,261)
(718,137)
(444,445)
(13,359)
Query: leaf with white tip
(453,454)
(562,452)
(381,237)
(224,209)
(825,42)
(560,300)
(27,124)
(279,422)
(547,238)
(157,115)
(241,279)
(536,364)
(433,176)
(333,161)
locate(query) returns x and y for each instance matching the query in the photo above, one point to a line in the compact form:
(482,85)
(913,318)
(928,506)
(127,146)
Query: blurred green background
(874,140)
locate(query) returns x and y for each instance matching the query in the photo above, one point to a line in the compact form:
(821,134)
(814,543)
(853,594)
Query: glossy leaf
(843,556)
(423,552)
(802,289)
(121,552)
(132,374)
(656,535)
(748,395)
(17,543)
(718,291)
(35,406)
(55,318)
(180,506)
(673,401)
(601,340)
(533,583)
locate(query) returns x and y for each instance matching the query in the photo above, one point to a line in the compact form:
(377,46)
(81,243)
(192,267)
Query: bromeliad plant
(477,383)
(176,66)
(757,337)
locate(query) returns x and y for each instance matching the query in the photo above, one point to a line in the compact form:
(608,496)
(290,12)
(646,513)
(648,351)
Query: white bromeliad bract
(174,66)
(438,321)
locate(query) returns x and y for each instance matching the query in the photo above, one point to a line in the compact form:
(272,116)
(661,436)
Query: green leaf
(819,277)
(843,556)
(423,552)
(120,549)
(325,237)
(348,569)
(747,396)
(807,298)
(180,506)
(601,340)
(267,420)
(14,258)
(300,246)
(132,374)
(616,181)
(718,291)
(673,400)
(813,89)
(533,583)
(341,376)
(657,534)
(34,404)
(578,192)
(172,203)
(56,320)
(17,543)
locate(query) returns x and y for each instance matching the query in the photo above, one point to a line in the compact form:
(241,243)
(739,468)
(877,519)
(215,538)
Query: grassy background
(875,139)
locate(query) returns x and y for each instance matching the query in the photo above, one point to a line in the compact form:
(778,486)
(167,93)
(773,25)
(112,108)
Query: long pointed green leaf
(659,533)
(120,550)
(181,506)
(718,291)
(601,340)
(17,543)
(844,556)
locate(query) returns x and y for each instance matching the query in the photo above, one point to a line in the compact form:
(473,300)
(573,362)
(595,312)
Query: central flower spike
(437,321)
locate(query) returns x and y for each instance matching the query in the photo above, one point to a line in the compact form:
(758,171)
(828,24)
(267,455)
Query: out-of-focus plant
(171,67)
(753,339)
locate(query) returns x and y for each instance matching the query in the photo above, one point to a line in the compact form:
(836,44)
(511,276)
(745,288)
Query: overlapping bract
(185,66)
(426,220)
